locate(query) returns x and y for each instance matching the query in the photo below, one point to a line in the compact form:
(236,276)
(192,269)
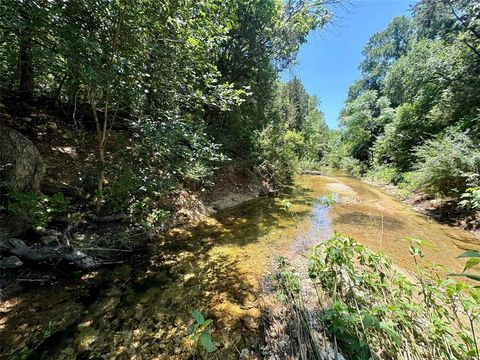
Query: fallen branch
(108,218)
(51,254)
(105,249)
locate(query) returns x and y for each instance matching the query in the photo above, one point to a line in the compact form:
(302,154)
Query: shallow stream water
(142,311)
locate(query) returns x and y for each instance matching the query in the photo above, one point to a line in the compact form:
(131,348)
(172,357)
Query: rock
(244,354)
(67,135)
(10,262)
(51,187)
(188,279)
(86,337)
(139,313)
(39,230)
(49,239)
(21,165)
(250,323)
(177,350)
(52,126)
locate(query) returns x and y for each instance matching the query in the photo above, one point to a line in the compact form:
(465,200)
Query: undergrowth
(371,311)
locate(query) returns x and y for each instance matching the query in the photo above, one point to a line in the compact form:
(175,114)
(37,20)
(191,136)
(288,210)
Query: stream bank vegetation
(412,119)
(365,309)
(131,113)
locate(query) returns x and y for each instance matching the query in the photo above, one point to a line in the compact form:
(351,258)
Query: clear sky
(328,63)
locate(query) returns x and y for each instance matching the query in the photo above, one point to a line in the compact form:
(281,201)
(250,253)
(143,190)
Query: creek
(142,310)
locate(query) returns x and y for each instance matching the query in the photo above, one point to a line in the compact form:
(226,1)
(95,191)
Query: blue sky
(328,63)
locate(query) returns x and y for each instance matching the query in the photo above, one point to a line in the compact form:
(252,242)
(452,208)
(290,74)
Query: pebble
(250,323)
(178,321)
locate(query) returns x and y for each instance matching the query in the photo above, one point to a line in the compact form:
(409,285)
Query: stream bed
(141,310)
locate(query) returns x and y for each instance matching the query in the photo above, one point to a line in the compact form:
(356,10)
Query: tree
(383,49)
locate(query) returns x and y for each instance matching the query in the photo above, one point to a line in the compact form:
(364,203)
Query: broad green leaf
(197,315)
(206,342)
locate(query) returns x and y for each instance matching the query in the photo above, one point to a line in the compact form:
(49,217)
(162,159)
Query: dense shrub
(384,174)
(278,150)
(352,166)
(444,162)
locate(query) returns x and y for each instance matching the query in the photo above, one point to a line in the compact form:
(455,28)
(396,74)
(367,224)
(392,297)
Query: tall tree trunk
(26,65)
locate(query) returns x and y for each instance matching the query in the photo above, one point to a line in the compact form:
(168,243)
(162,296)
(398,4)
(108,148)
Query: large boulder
(21,166)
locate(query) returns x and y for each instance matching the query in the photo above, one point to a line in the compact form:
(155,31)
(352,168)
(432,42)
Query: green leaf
(470,254)
(470,276)
(206,342)
(192,41)
(473,277)
(471,263)
(388,327)
(197,315)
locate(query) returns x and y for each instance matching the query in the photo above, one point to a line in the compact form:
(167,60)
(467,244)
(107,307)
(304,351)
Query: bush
(36,209)
(352,166)
(443,162)
(374,312)
(470,199)
(278,153)
(384,174)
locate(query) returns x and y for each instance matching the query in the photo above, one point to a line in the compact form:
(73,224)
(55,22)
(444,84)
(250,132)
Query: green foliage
(383,174)
(419,78)
(352,166)
(329,200)
(35,209)
(384,48)
(200,332)
(473,260)
(470,199)
(362,120)
(372,309)
(443,162)
(157,219)
(277,151)
(187,81)
(336,150)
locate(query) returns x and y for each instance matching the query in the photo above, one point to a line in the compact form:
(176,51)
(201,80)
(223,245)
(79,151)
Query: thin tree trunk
(101,136)
(25,51)
(102,129)
(26,66)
